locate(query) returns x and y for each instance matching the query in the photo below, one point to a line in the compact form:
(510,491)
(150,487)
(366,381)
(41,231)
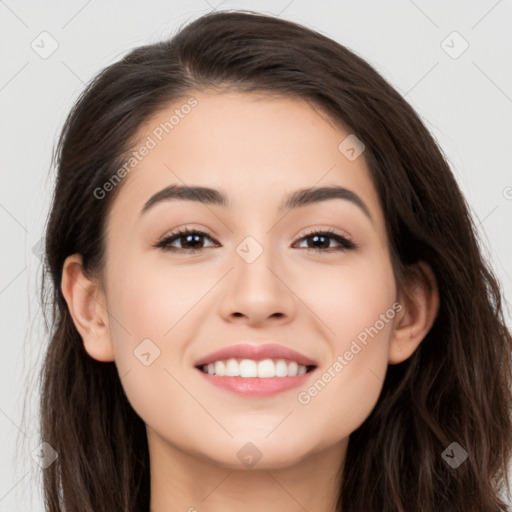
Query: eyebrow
(296,199)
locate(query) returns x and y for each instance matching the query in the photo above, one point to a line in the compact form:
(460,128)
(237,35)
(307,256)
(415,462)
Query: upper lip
(257,353)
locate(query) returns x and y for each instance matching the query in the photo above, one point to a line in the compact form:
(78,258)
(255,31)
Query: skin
(257,149)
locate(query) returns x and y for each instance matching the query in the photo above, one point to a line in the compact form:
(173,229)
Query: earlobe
(420,305)
(87,307)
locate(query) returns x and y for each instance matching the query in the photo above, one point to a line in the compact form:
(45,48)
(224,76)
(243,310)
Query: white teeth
(220,368)
(247,368)
(232,368)
(266,368)
(293,368)
(281,368)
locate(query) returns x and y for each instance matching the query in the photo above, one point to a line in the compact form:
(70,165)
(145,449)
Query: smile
(251,378)
(250,368)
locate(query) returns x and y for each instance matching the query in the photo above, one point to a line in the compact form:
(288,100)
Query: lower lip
(255,386)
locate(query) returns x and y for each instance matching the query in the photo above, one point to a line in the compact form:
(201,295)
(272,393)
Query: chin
(258,454)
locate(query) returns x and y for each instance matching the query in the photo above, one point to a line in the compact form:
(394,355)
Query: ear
(87,307)
(420,304)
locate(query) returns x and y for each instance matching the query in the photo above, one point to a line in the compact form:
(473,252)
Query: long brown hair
(457,385)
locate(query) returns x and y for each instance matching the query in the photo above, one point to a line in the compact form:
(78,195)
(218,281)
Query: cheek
(348,385)
(148,307)
(153,299)
(355,305)
(151,306)
(349,298)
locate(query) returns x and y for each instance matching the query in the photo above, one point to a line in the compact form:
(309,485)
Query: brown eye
(190,240)
(321,240)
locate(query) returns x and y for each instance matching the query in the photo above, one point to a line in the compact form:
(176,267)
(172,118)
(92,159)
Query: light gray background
(465,101)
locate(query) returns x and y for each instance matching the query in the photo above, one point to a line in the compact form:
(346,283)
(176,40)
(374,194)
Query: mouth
(257,370)
(256,378)
(251,368)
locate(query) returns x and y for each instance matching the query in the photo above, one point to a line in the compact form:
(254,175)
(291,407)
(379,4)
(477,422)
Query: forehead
(257,148)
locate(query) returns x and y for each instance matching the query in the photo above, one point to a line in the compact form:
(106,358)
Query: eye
(324,237)
(193,238)
(188,237)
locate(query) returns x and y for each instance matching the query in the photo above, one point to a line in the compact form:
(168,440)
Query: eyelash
(345,242)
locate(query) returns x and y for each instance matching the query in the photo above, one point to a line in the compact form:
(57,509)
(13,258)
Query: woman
(268,293)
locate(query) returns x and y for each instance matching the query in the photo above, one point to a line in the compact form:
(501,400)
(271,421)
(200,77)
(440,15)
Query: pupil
(316,237)
(188,237)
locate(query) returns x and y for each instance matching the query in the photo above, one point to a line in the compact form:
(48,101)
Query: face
(255,275)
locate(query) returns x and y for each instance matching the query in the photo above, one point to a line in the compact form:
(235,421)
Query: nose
(258,292)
